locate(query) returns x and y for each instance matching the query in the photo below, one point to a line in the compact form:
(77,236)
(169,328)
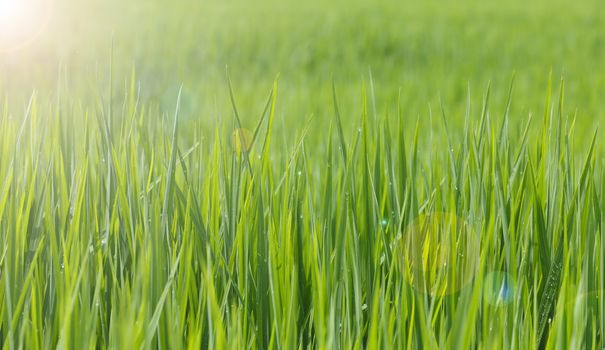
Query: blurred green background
(424,53)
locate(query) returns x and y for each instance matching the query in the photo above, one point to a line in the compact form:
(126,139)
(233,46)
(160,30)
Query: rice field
(274,175)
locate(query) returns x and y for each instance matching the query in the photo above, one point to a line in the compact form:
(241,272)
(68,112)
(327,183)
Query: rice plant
(119,232)
(362,175)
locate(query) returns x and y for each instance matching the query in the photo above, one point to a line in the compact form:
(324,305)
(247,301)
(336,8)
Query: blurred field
(420,52)
(385,175)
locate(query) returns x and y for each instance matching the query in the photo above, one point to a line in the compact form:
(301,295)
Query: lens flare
(439,253)
(21,21)
(499,288)
(241,140)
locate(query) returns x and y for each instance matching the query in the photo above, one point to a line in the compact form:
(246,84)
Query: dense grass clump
(124,227)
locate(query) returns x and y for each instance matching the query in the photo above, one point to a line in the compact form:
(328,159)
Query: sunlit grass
(118,233)
(380,194)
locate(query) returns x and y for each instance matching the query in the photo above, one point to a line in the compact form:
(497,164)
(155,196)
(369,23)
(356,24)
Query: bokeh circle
(241,140)
(499,288)
(438,253)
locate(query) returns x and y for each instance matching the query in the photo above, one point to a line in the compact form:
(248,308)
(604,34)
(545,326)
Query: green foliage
(369,201)
(116,234)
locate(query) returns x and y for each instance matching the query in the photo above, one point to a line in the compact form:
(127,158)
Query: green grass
(412,179)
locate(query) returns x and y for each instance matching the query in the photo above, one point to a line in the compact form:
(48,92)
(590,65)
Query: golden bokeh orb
(439,253)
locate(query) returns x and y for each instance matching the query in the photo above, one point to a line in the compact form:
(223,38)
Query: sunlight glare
(21,21)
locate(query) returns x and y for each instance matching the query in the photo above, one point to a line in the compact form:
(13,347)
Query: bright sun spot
(21,21)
